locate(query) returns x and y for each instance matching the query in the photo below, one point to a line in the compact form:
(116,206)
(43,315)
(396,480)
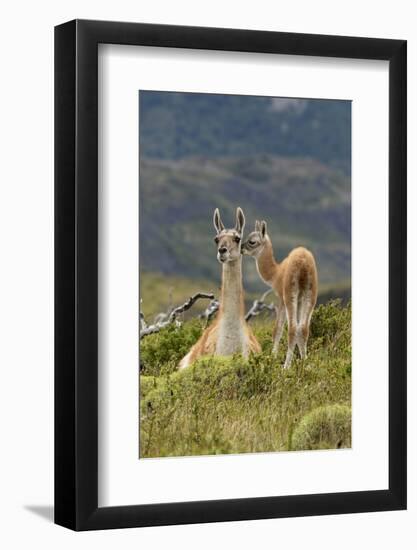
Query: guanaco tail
(294,281)
(229,333)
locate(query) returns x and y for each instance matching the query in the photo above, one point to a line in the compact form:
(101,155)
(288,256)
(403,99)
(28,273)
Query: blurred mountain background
(284,160)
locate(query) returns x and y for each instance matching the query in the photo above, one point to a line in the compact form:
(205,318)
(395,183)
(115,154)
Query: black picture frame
(76,272)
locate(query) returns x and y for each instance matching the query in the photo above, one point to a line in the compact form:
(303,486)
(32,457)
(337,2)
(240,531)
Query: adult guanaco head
(228,241)
(255,242)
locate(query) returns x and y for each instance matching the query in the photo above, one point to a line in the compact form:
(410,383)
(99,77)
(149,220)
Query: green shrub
(161,352)
(330,320)
(327,427)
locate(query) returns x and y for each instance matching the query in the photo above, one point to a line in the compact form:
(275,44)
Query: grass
(232,405)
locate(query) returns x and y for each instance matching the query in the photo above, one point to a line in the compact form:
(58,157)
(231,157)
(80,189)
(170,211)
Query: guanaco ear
(218,224)
(258,226)
(263,228)
(240,220)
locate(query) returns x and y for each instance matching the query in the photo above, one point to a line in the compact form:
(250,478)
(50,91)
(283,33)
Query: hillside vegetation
(232,405)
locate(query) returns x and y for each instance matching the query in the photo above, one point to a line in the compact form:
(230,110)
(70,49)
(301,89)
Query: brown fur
(295,283)
(298,267)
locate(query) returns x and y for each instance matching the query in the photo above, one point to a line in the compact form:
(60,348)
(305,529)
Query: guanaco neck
(266,264)
(231,305)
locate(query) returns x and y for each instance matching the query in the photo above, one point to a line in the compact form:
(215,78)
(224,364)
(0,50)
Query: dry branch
(211,309)
(143,324)
(172,316)
(259,305)
(162,320)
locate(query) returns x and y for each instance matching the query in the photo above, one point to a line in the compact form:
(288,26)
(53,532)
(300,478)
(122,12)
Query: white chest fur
(231,338)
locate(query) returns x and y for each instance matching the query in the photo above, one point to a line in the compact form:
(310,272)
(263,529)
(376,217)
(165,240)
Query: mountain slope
(303,201)
(176,125)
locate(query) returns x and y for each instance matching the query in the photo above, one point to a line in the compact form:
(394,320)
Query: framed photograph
(230,255)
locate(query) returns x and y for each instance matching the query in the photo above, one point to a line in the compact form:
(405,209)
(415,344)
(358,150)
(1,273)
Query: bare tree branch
(259,305)
(189,303)
(211,309)
(143,324)
(162,320)
(156,327)
(160,317)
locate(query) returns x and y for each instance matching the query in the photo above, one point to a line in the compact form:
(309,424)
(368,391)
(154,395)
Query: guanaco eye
(252,243)
(216,240)
(237,239)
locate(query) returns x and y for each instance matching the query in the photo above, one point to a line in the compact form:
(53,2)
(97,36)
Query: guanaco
(294,281)
(229,333)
